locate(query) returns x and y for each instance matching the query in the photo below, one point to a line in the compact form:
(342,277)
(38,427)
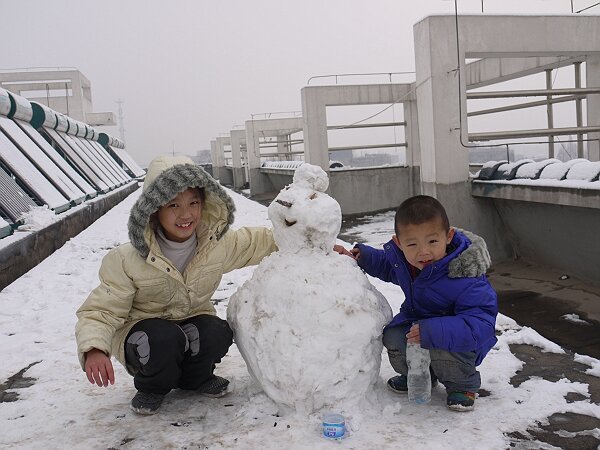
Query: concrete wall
(23,254)
(362,191)
(549,225)
(557,236)
(276,179)
(477,215)
(359,191)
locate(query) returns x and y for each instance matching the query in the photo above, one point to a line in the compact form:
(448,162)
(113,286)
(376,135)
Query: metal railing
(576,94)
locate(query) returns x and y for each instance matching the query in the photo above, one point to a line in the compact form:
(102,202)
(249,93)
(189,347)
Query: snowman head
(303,215)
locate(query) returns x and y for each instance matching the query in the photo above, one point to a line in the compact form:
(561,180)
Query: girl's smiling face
(180,217)
(424,243)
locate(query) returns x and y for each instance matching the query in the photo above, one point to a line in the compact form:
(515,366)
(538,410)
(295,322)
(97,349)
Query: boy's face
(425,243)
(180,217)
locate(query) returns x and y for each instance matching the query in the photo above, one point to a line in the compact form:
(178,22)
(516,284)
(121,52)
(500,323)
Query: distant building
(202,157)
(66,91)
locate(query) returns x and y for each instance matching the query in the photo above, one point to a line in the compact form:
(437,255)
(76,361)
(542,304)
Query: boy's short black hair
(420,209)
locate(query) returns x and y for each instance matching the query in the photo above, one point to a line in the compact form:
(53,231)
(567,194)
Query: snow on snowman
(308,323)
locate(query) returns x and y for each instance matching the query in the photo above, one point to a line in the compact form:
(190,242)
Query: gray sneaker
(146,403)
(214,387)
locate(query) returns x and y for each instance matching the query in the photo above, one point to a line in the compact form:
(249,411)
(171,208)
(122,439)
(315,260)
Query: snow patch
(37,218)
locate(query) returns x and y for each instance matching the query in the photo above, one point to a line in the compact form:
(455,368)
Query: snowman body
(308,323)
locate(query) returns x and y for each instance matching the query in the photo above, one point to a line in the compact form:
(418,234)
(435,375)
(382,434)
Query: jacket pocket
(208,280)
(152,296)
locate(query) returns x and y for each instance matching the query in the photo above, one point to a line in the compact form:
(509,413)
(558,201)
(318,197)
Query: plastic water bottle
(419,377)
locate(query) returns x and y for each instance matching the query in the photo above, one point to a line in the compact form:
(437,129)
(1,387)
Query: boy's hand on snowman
(98,368)
(342,251)
(414,335)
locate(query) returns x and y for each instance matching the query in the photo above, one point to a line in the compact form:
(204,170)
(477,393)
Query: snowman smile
(289,223)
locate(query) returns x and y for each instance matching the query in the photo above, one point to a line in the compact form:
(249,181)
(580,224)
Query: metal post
(550,113)
(579,109)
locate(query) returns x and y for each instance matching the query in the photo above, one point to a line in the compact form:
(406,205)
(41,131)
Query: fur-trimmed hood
(168,176)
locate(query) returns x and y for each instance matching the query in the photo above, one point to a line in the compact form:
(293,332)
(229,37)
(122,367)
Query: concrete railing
(24,253)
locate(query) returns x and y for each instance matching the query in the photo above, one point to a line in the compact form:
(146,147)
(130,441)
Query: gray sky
(190,70)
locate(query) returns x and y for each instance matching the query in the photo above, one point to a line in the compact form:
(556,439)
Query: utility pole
(121,118)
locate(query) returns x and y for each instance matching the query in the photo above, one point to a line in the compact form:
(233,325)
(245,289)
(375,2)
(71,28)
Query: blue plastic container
(334,426)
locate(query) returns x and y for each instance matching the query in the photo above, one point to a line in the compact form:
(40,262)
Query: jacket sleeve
(247,246)
(374,262)
(106,308)
(472,324)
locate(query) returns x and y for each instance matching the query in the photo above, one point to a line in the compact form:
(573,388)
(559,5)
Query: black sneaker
(214,387)
(399,384)
(146,403)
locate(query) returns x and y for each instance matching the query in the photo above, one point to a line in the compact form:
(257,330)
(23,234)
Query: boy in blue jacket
(452,317)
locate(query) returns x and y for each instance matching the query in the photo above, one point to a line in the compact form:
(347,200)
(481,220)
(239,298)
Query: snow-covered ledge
(569,183)
(577,193)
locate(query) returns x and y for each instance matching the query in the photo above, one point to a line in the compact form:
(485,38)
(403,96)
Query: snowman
(308,323)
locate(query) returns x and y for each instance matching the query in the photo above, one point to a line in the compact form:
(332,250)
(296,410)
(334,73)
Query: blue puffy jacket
(454,314)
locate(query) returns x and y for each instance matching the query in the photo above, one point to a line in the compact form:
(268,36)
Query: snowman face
(304,218)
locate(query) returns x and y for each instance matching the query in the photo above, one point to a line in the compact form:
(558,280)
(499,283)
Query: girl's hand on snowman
(414,335)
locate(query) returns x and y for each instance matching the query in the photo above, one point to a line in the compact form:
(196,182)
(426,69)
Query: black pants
(169,355)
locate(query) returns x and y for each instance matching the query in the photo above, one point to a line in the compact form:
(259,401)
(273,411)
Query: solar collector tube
(14,201)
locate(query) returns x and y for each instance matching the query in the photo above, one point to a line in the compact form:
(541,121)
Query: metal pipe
(494,135)
(579,110)
(367,125)
(531,93)
(290,141)
(550,113)
(282,153)
(357,74)
(481,112)
(364,147)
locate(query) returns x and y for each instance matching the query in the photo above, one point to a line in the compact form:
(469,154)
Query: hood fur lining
(217,210)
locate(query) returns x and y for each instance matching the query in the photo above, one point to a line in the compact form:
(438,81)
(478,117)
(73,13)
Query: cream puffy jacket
(137,282)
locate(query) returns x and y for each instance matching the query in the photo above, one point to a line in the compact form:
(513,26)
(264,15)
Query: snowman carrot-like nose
(284,203)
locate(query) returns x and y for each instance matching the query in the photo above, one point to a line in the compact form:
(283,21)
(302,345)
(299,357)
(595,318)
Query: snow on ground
(62,410)
(574,318)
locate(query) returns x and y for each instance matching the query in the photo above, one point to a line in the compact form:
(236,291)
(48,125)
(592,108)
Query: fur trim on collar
(472,262)
(217,209)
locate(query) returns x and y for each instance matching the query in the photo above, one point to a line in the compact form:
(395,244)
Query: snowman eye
(284,203)
(313,196)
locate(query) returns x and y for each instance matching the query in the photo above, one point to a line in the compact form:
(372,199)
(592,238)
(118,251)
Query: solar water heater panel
(105,159)
(80,159)
(99,167)
(5,228)
(41,161)
(106,154)
(30,176)
(81,183)
(14,201)
(128,161)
